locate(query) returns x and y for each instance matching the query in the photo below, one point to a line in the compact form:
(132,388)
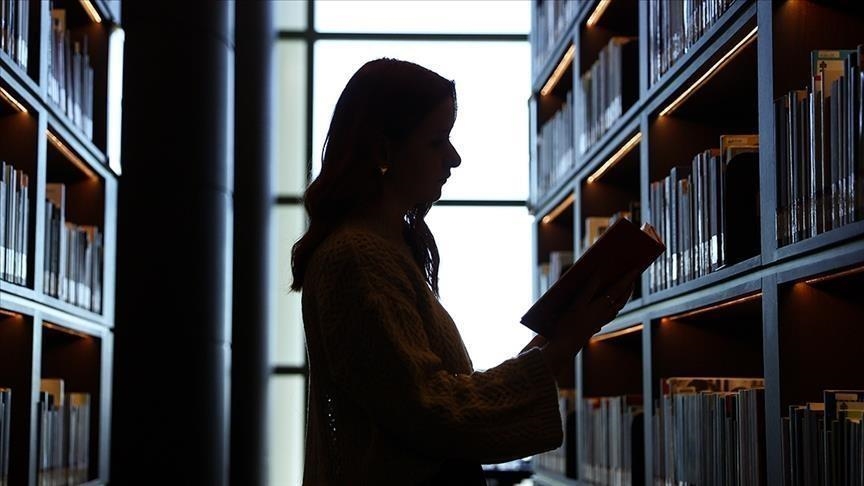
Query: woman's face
(422,163)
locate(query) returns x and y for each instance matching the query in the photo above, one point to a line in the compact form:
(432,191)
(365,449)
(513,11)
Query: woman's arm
(379,354)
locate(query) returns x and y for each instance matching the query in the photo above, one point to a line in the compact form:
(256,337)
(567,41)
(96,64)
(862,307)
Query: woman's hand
(538,342)
(591,311)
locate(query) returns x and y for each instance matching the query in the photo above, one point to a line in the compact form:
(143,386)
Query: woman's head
(380,110)
(389,135)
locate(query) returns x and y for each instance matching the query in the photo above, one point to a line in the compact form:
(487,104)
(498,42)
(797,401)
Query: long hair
(383,103)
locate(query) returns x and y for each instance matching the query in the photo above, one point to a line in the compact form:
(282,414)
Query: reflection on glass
(424,16)
(485,277)
(286,429)
(289,14)
(287,344)
(492,86)
(289,138)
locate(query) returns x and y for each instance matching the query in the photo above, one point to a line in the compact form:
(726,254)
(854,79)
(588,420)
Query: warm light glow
(91,11)
(713,70)
(558,210)
(832,276)
(619,333)
(71,155)
(65,330)
(715,307)
(8,97)
(559,71)
(624,150)
(10,314)
(597,13)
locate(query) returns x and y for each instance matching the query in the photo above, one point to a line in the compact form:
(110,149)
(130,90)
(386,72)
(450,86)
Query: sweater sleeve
(378,352)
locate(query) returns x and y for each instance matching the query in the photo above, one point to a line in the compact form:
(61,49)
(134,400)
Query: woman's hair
(382,104)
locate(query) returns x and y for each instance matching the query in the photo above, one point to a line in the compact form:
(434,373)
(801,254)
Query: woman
(393,397)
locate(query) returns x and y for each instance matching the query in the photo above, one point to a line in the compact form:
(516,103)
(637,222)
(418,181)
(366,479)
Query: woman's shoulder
(355,246)
(349,252)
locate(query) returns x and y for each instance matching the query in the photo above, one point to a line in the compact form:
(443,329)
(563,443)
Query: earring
(383,169)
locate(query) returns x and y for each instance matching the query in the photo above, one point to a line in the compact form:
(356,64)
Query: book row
(674,27)
(551,22)
(555,147)
(823,442)
(14,216)
(5,432)
(15,29)
(64,434)
(689,206)
(709,431)
(73,254)
(70,75)
(560,461)
(607,89)
(611,440)
(820,148)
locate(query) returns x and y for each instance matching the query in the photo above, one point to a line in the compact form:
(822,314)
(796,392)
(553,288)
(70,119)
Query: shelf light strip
(559,71)
(619,333)
(10,314)
(710,72)
(597,13)
(728,303)
(624,150)
(71,155)
(832,276)
(52,313)
(11,99)
(91,11)
(558,210)
(65,330)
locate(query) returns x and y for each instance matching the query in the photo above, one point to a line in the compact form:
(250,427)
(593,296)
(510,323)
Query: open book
(623,247)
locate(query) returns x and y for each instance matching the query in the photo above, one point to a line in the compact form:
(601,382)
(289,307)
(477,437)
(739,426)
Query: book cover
(623,247)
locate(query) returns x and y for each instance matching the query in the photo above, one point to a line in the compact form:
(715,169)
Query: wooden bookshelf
(787,313)
(43,334)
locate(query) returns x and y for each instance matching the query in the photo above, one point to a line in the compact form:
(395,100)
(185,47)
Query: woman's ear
(383,153)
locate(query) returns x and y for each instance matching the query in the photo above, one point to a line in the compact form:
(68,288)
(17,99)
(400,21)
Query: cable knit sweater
(393,397)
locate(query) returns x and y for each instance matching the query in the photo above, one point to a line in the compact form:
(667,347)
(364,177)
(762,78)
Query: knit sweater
(393,397)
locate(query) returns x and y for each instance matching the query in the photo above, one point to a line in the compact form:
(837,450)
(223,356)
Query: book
(622,248)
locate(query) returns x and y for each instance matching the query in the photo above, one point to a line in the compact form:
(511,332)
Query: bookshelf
(57,297)
(786,312)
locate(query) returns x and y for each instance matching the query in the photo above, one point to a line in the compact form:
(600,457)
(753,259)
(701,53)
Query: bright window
(424,16)
(286,429)
(492,82)
(485,277)
(289,138)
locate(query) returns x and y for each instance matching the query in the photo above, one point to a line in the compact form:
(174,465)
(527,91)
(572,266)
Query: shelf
(805,324)
(16,354)
(79,318)
(40,140)
(611,141)
(619,350)
(712,279)
(76,359)
(824,240)
(554,55)
(712,45)
(790,315)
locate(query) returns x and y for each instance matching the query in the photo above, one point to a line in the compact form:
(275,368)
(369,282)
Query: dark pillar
(251,250)
(174,248)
